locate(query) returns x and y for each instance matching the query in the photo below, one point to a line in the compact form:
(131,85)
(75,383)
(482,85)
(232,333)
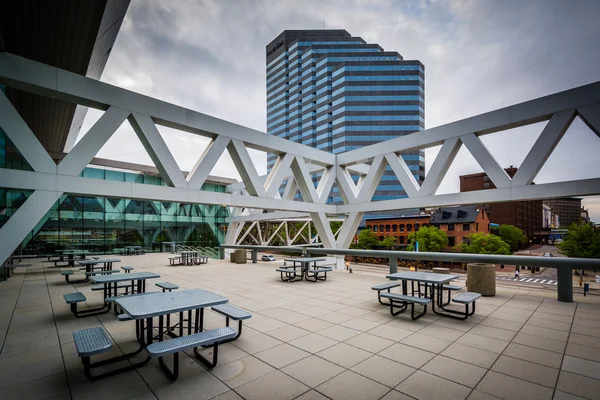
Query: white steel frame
(296,163)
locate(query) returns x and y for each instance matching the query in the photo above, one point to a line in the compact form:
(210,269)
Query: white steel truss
(296,165)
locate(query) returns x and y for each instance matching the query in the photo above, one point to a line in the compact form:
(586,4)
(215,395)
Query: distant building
(398,227)
(459,222)
(525,215)
(585,215)
(567,208)
(550,218)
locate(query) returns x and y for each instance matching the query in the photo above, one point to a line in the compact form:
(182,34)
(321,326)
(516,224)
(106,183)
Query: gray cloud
(478,56)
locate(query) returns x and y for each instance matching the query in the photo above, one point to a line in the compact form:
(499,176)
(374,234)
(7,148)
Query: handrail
(563,265)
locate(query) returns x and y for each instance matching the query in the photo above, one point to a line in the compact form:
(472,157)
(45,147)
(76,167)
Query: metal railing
(564,266)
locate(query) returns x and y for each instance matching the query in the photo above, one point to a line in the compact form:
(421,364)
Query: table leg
(149,331)
(189,321)
(160,328)
(181,323)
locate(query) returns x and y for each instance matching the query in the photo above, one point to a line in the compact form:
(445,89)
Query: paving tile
(578,385)
(556,346)
(238,372)
(449,323)
(389,332)
(201,386)
(508,387)
(454,370)
(288,333)
(313,343)
(492,332)
(483,343)
(407,355)
(313,324)
(442,332)
(527,371)
(292,318)
(383,370)
(477,395)
(344,355)
(227,353)
(368,342)
(340,333)
(425,342)
(576,350)
(471,355)
(396,395)
(422,385)
(336,317)
(404,322)
(266,325)
(502,324)
(119,387)
(550,324)
(275,385)
(538,356)
(13,361)
(349,386)
(31,372)
(360,324)
(545,333)
(51,386)
(558,395)
(584,340)
(312,371)
(312,395)
(256,343)
(230,395)
(580,366)
(586,330)
(282,355)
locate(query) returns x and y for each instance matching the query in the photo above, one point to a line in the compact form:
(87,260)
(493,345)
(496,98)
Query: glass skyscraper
(330,90)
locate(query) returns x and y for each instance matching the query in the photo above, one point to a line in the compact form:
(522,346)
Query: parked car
(268,257)
(548,255)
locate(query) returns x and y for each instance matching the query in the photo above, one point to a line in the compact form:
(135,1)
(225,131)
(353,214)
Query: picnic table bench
(188,258)
(289,273)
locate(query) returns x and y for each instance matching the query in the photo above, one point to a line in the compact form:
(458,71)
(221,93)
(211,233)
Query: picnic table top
(139,307)
(132,276)
(305,260)
(428,277)
(99,261)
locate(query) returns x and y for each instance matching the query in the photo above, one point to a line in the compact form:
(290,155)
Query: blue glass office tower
(330,90)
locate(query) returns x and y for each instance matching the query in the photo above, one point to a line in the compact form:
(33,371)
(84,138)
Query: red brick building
(459,222)
(525,215)
(398,227)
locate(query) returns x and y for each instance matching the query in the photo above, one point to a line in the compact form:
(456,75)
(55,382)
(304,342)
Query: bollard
(564,278)
(254,256)
(222,253)
(586,288)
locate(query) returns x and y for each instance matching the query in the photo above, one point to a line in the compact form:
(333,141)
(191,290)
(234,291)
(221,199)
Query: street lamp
(530,244)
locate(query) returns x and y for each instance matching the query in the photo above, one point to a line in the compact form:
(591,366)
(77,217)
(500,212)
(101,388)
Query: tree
(367,239)
(480,243)
(430,238)
(582,240)
(387,243)
(512,235)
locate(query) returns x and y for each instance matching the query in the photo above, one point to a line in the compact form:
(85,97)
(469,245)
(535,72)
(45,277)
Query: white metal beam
(23,138)
(280,170)
(304,180)
(323,229)
(245,166)
(440,166)
(22,222)
(590,114)
(369,183)
(206,162)
(157,150)
(543,147)
(348,229)
(404,174)
(485,159)
(89,145)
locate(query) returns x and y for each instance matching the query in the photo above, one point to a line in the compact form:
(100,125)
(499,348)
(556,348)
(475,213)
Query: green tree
(430,238)
(387,243)
(512,235)
(582,240)
(480,243)
(367,239)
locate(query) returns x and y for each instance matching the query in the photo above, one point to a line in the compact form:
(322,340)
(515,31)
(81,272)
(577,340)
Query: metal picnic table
(70,254)
(304,264)
(432,281)
(110,281)
(107,264)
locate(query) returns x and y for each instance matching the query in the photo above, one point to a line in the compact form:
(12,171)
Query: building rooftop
(456,215)
(398,217)
(308,340)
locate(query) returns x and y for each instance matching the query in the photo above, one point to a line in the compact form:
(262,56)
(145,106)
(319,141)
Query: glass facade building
(101,224)
(335,92)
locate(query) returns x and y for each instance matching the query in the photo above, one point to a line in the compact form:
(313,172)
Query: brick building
(398,227)
(459,222)
(525,215)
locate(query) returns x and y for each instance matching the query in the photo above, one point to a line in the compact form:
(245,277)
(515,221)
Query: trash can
(481,278)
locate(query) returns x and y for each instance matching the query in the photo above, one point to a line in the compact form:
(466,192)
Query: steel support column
(564,278)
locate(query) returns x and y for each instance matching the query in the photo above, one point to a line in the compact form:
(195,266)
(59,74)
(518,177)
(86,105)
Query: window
(401,239)
(408,227)
(466,227)
(477,226)
(401,227)
(381,228)
(374,228)
(417,226)
(451,241)
(387,228)
(394,228)
(450,227)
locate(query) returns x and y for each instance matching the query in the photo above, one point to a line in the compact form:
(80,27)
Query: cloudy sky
(478,55)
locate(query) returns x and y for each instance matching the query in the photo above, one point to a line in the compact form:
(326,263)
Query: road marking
(529,280)
(522,279)
(536,281)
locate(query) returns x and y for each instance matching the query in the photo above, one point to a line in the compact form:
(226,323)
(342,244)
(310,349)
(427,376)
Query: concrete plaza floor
(309,340)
